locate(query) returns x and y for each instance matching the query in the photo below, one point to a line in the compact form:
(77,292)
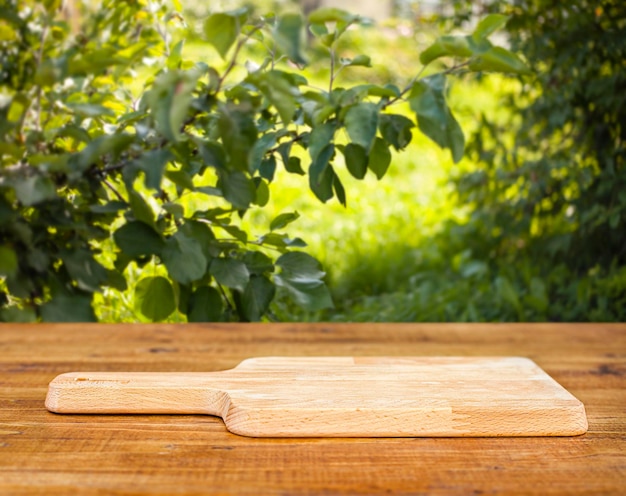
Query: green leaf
(115,280)
(488,25)
(507,292)
(184,258)
(331,14)
(319,112)
(434,117)
(297,265)
(230,273)
(447,46)
(281,241)
(262,192)
(283,220)
(356,160)
(268,168)
(7,214)
(202,233)
(361,122)
(52,162)
(222,29)
(18,315)
(321,174)
(49,72)
(176,210)
(126,119)
(65,307)
(18,106)
(82,268)
(212,154)
(112,145)
(339,190)
(320,138)
(152,164)
(257,297)
(209,190)
(380,158)
(359,60)
(140,208)
(175,57)
(538,295)
(239,134)
(236,233)
(289,37)
(20,286)
(498,59)
(309,296)
(169,101)
(76,133)
(154,298)
(263,145)
(182,292)
(282,95)
(11,149)
(8,262)
(319,30)
(34,189)
(238,189)
(301,276)
(38,259)
(389,90)
(205,305)
(258,263)
(474,268)
(137,239)
(396,129)
(284,150)
(111,207)
(294,166)
(89,109)
(181,178)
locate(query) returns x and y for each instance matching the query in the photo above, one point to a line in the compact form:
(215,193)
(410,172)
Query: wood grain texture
(44,453)
(342,397)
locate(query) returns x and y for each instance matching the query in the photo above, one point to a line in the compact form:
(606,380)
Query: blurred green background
(529,226)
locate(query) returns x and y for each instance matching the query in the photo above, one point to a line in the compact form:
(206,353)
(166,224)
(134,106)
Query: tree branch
(225,296)
(295,139)
(417,77)
(406,89)
(115,192)
(455,67)
(42,40)
(332,70)
(233,60)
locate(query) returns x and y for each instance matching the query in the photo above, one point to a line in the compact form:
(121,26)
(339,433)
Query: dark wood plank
(43,453)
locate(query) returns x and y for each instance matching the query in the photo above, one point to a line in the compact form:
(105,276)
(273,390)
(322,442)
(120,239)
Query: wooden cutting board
(342,397)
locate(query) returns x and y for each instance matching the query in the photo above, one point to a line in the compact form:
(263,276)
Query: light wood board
(342,397)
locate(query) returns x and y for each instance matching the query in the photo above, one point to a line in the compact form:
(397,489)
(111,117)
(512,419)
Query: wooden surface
(342,397)
(45,453)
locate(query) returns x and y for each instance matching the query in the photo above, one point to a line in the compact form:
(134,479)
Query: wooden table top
(44,453)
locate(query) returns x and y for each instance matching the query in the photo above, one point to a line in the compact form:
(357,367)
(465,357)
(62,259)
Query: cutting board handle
(138,392)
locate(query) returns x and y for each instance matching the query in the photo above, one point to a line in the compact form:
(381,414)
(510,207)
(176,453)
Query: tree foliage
(98,175)
(550,184)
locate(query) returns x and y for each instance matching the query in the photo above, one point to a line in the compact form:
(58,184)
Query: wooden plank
(342,397)
(43,453)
